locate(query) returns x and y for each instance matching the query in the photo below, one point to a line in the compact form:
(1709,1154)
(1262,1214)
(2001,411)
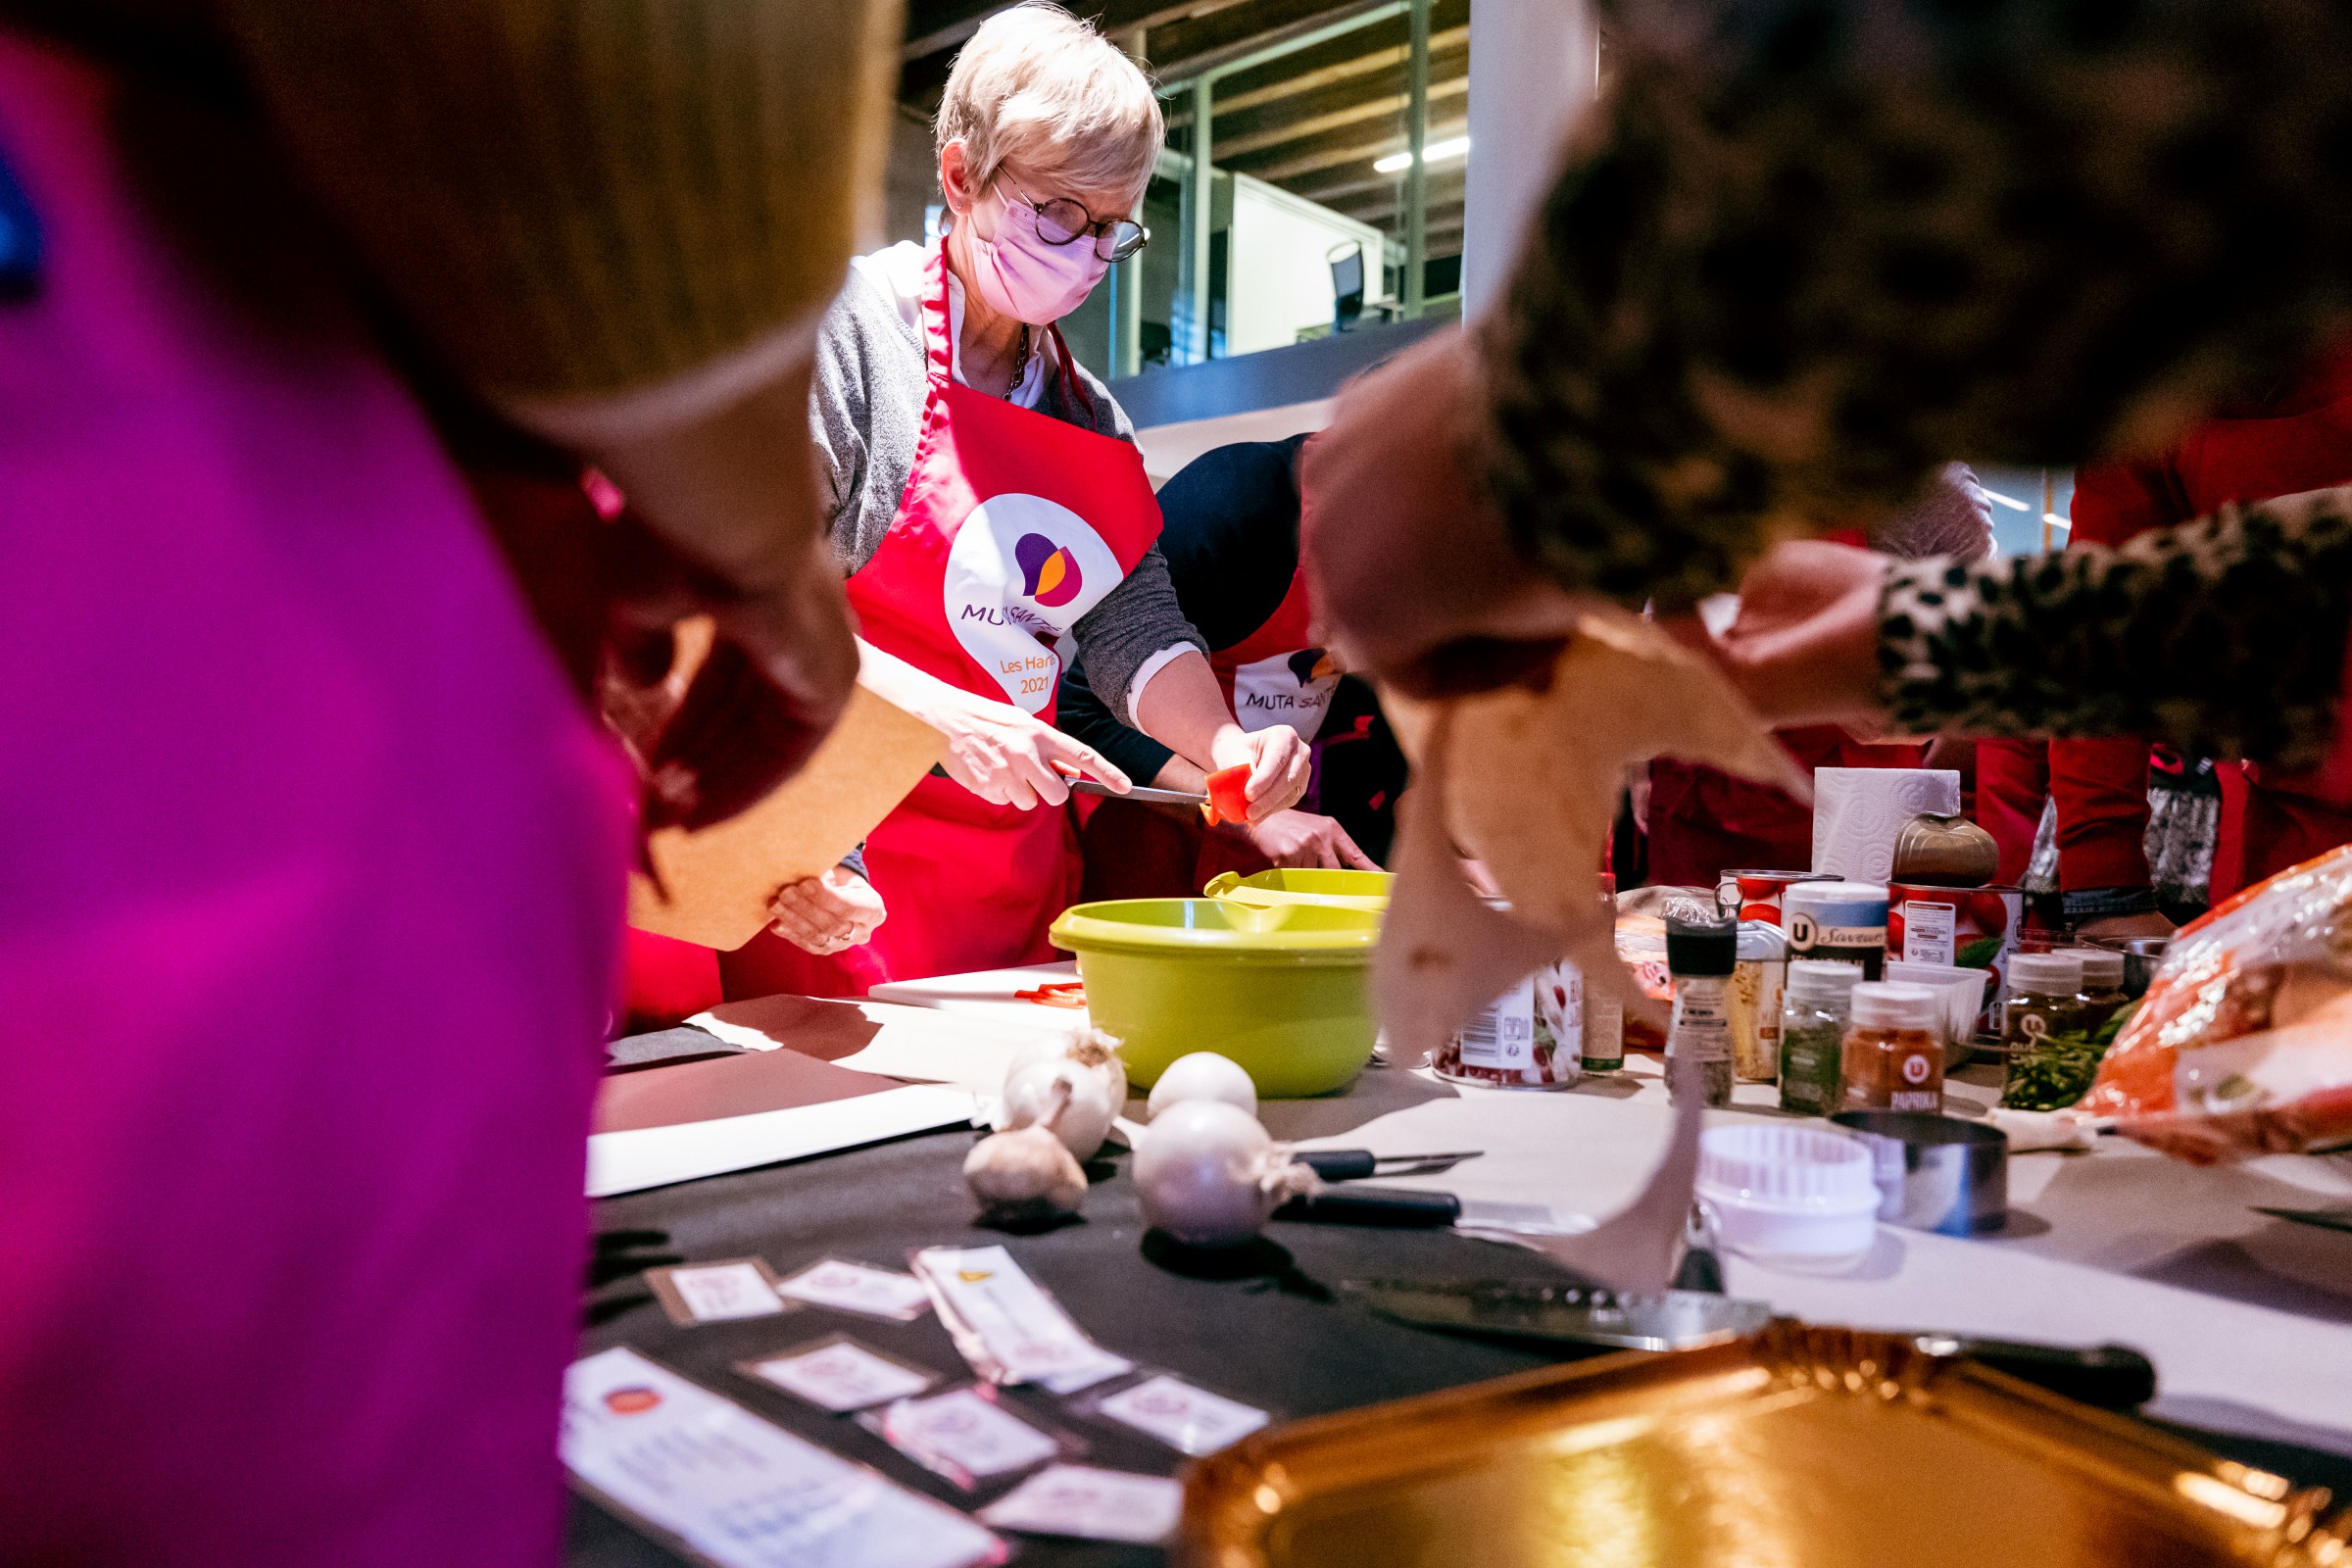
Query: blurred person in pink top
(310,863)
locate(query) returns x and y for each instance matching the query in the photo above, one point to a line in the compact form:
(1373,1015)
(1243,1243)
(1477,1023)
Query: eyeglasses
(1063,222)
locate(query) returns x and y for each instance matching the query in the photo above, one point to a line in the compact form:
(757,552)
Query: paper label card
(839,1374)
(1188,1419)
(963,1434)
(1006,1326)
(740,1491)
(859,1288)
(1076,1499)
(717,1293)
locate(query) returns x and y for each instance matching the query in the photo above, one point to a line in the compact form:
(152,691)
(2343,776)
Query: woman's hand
(1415,576)
(1008,757)
(1299,839)
(1805,647)
(825,914)
(1281,765)
(994,750)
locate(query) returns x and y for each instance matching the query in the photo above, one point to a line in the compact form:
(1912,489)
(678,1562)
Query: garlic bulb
(1088,1063)
(1209,1176)
(1025,1174)
(1204,1075)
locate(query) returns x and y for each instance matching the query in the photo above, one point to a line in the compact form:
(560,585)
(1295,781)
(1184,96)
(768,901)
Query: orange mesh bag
(2243,1045)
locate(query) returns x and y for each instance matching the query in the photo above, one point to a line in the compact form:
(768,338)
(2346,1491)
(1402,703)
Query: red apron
(1703,822)
(1014,525)
(1277,675)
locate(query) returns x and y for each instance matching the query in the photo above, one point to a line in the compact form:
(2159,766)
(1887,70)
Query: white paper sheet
(991,993)
(655,1156)
(2262,1344)
(739,1490)
(1005,1325)
(1076,1499)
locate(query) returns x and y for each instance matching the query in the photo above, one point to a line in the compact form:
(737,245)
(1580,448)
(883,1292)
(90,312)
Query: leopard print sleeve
(2224,636)
(1803,252)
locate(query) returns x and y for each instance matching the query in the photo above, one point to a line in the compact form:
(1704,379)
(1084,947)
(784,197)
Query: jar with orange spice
(1892,1055)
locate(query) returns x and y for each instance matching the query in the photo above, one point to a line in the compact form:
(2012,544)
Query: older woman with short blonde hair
(990,505)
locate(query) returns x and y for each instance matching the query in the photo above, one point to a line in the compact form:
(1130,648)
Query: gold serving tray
(1797,1447)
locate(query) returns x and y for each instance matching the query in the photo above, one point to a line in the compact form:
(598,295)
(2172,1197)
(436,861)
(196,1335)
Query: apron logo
(1050,573)
(1293,689)
(1019,573)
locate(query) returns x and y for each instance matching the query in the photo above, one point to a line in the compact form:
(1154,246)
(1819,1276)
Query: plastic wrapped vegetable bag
(2243,1045)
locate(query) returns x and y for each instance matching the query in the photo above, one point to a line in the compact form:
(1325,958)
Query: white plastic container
(1792,1195)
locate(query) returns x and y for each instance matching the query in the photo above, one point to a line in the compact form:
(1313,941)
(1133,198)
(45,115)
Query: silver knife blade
(1581,1314)
(1142,793)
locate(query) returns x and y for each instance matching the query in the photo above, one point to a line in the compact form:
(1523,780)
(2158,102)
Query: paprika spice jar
(1892,1055)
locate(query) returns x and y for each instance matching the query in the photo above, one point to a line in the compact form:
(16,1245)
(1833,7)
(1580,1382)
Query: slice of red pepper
(1228,796)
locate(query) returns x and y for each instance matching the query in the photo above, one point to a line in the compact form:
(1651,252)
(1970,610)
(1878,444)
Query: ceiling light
(1435,152)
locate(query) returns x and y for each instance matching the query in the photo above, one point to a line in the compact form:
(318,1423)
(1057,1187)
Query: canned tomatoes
(1756,894)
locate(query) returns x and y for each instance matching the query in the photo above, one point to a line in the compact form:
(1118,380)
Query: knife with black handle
(2109,1377)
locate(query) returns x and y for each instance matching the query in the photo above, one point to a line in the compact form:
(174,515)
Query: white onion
(1024,1174)
(1204,1075)
(1209,1176)
(1088,1063)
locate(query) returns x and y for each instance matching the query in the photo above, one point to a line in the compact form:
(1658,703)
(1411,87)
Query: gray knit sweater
(867,412)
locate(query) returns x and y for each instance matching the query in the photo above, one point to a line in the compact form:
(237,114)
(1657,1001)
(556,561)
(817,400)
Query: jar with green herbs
(2050,1056)
(1815,1009)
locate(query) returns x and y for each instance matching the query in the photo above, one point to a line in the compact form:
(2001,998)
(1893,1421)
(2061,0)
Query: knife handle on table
(2107,1377)
(1338,1164)
(1398,1207)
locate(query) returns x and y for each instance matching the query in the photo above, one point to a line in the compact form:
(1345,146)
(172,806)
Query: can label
(1531,1037)
(1756,894)
(1502,1038)
(1981,933)
(1927,932)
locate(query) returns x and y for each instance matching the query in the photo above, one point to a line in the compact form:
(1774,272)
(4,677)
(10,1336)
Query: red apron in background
(1703,821)
(1014,525)
(1275,675)
(2271,817)
(666,981)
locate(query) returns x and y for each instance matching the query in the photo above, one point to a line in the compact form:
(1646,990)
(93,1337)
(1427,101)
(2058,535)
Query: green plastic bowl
(1278,988)
(1333,890)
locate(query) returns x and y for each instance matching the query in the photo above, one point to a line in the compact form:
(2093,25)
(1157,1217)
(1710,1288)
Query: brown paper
(674,1093)
(720,879)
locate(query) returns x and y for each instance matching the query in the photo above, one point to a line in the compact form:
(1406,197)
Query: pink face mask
(1020,274)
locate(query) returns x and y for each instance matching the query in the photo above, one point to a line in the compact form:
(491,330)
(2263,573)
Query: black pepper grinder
(1700,955)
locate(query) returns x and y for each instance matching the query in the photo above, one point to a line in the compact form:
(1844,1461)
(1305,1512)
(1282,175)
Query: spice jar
(1892,1055)
(1700,955)
(1604,1013)
(2050,1058)
(1841,920)
(1813,1019)
(1755,1003)
(2045,998)
(2102,994)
